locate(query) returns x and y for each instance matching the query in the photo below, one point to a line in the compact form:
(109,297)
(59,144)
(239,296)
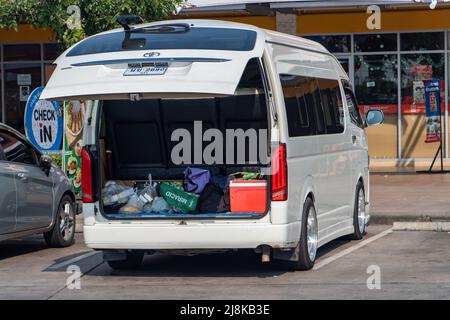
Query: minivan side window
(300,114)
(355,116)
(313,105)
(332,105)
(17,151)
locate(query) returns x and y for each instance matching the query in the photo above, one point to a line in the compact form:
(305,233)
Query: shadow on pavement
(20,246)
(242,263)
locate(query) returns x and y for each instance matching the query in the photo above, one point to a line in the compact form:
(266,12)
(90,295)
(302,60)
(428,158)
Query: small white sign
(370,84)
(24,93)
(24,79)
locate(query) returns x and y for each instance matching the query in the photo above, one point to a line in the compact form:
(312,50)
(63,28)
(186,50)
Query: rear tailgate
(213,72)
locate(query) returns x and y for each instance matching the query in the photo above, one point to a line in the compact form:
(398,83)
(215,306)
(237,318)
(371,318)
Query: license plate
(145,71)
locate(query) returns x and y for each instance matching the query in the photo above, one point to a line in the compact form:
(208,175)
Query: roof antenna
(124,21)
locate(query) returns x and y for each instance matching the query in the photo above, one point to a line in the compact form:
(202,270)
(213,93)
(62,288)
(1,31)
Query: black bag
(211,199)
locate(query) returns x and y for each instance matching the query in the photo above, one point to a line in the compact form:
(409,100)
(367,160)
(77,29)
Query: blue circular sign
(43,122)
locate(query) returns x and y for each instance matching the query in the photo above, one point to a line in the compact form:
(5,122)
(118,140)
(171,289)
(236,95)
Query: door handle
(22,176)
(353,139)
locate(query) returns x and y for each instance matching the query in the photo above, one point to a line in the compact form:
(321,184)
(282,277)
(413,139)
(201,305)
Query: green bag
(247,175)
(177,197)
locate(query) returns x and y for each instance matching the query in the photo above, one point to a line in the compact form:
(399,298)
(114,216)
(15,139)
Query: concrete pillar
(287,23)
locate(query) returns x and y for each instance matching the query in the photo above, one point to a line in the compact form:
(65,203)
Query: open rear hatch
(154,59)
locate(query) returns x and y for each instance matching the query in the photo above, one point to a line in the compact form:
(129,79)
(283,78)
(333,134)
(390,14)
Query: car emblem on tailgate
(151,54)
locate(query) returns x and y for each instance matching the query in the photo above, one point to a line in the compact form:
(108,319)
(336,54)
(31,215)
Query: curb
(422,226)
(391,219)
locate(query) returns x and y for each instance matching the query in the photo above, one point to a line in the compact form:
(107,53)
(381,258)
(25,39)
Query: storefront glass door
(416,68)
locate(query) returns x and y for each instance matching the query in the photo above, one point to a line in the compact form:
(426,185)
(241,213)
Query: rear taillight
(86,176)
(279,174)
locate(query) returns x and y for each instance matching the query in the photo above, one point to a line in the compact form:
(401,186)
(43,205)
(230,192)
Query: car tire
(306,250)
(132,261)
(359,213)
(63,232)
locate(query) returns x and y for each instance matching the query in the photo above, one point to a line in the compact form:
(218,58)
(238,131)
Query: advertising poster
(419,92)
(433,111)
(73,131)
(43,122)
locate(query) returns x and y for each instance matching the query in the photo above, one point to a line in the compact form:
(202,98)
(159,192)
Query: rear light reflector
(279,174)
(86,176)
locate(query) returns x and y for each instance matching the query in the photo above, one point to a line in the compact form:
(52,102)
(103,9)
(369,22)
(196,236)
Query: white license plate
(145,71)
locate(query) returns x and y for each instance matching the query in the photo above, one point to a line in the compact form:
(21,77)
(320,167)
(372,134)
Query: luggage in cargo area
(191,147)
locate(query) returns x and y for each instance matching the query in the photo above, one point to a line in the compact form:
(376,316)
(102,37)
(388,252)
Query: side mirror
(45,162)
(374,117)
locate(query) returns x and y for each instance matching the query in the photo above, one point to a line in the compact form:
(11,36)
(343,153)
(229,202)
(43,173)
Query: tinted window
(313,106)
(419,41)
(376,42)
(355,116)
(195,38)
(52,51)
(15,150)
(315,100)
(339,43)
(332,105)
(21,52)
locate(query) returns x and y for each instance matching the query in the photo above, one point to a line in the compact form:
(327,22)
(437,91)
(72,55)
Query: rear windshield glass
(193,38)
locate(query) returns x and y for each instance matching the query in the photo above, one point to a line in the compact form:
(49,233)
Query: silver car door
(8,197)
(33,185)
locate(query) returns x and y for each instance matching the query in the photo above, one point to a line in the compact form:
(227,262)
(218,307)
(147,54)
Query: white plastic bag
(114,193)
(160,205)
(134,205)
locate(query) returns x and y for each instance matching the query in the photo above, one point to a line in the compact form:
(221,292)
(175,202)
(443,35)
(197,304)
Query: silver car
(35,195)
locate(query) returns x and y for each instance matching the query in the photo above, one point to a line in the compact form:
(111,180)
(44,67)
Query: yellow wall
(26,33)
(337,22)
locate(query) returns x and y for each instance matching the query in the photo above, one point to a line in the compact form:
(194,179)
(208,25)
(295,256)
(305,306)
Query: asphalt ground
(387,264)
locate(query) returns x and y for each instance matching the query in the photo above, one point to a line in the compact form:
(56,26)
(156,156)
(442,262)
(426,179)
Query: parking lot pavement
(411,265)
(409,197)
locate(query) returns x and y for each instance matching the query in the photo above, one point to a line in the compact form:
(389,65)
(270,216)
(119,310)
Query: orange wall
(26,33)
(337,22)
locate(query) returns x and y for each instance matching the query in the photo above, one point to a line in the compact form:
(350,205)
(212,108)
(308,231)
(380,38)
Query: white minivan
(143,82)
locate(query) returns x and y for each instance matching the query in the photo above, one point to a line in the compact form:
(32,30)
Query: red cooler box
(248,195)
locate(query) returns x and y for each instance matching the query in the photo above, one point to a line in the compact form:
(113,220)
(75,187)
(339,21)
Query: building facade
(25,55)
(387,66)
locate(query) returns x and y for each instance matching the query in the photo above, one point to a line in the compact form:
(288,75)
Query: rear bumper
(195,236)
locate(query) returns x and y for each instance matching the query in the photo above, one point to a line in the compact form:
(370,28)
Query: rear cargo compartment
(154,155)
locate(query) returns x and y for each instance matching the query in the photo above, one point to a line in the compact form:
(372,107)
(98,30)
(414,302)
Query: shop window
(345,63)
(335,44)
(20,80)
(22,52)
(415,69)
(376,87)
(375,42)
(419,41)
(52,51)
